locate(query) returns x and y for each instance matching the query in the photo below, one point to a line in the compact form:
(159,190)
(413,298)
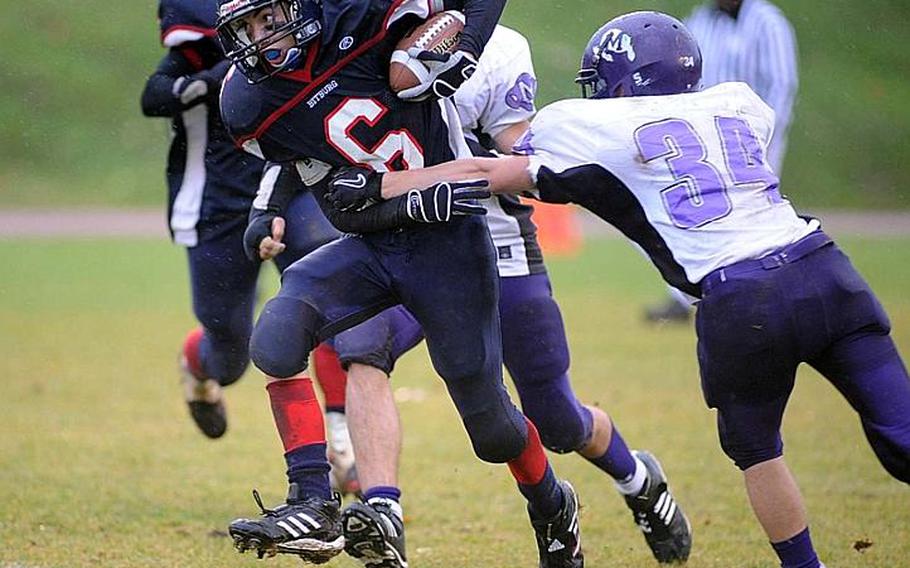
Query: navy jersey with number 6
(341,99)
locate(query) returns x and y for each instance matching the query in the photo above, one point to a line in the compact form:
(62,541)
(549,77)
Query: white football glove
(189,90)
(447,72)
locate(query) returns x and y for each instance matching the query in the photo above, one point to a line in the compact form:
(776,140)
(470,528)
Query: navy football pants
(756,326)
(534,350)
(223,282)
(445,275)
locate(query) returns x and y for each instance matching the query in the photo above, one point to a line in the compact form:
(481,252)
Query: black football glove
(438,203)
(259,227)
(447,72)
(353,188)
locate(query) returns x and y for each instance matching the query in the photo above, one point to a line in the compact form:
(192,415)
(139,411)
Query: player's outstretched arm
(352,202)
(507,174)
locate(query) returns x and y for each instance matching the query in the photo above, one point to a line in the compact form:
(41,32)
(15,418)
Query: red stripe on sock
(530,467)
(331,377)
(191,352)
(296,412)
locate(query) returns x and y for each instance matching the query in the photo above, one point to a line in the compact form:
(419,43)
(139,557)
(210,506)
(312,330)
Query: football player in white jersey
(683,173)
(495,107)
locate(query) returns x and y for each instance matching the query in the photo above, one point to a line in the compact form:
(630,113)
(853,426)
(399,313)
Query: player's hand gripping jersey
(341,92)
(697,194)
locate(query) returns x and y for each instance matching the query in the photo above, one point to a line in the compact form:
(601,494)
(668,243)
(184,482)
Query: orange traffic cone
(558,230)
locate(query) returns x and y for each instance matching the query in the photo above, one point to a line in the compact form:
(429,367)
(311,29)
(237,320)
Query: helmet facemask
(591,83)
(294,20)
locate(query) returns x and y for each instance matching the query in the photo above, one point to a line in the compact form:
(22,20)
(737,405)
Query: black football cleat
(558,538)
(655,511)
(205,400)
(374,533)
(308,527)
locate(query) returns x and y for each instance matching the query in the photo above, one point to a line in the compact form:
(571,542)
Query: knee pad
(497,436)
(380,341)
(498,431)
(232,368)
(564,424)
(225,347)
(892,448)
(368,343)
(565,432)
(284,336)
(748,447)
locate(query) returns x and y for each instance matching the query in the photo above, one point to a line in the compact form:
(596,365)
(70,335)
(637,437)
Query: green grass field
(100,465)
(71,132)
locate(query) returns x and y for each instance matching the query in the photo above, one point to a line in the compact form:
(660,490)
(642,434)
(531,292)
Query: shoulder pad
(241,105)
(183,21)
(347,18)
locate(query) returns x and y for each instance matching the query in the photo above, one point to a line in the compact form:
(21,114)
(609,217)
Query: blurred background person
(753,42)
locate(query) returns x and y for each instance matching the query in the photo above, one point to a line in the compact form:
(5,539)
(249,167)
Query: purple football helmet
(640,54)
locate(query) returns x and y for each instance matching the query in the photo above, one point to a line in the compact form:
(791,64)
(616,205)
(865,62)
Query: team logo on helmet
(616,42)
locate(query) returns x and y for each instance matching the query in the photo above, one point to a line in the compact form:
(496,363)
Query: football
(439,34)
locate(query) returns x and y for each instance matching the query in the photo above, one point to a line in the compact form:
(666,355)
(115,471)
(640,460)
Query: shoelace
(265,511)
(642,520)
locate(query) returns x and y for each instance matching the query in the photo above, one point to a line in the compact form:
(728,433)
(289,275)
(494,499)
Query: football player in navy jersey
(494,107)
(684,174)
(212,186)
(311,90)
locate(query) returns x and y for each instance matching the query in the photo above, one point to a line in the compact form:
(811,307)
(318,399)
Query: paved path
(150,223)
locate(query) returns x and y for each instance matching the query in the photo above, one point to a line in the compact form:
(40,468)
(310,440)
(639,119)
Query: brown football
(439,34)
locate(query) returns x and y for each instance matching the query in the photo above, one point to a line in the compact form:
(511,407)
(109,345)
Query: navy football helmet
(258,60)
(640,54)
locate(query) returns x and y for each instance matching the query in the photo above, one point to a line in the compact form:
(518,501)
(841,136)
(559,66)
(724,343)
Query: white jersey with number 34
(684,176)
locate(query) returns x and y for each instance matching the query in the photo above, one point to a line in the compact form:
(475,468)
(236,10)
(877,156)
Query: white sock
(395,506)
(633,484)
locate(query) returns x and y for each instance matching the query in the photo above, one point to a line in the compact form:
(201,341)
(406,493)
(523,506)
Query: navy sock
(617,461)
(383,492)
(309,469)
(544,498)
(797,552)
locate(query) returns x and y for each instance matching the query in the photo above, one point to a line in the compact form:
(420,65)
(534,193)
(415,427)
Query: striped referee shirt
(758,47)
